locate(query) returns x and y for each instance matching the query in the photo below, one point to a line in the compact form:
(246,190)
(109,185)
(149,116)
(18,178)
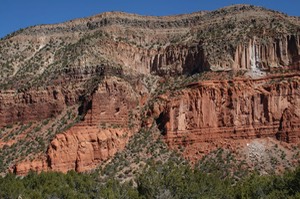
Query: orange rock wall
(83,148)
(208,112)
(103,132)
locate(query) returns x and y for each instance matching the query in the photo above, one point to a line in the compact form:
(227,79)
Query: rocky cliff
(80,89)
(79,148)
(34,104)
(275,52)
(210,114)
(108,122)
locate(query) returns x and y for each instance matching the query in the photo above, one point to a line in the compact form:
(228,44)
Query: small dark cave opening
(161,122)
(84,107)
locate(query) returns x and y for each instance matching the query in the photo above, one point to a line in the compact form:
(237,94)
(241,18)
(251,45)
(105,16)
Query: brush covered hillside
(119,93)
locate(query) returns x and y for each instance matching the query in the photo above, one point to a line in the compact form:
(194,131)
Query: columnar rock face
(289,130)
(283,51)
(275,52)
(213,111)
(172,59)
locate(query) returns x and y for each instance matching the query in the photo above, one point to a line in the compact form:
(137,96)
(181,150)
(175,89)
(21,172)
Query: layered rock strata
(33,105)
(109,121)
(91,63)
(209,113)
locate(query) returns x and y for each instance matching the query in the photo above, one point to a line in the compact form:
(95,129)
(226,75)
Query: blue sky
(16,14)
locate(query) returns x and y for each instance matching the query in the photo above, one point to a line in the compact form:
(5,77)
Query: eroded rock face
(289,130)
(172,59)
(109,121)
(224,39)
(276,52)
(211,112)
(38,165)
(110,104)
(33,105)
(83,148)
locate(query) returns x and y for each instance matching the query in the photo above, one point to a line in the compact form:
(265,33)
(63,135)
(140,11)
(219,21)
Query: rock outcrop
(289,130)
(275,52)
(33,105)
(38,165)
(210,112)
(108,122)
(83,148)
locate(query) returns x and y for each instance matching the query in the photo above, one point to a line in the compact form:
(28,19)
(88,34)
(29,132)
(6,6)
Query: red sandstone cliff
(108,67)
(80,149)
(109,121)
(206,114)
(34,104)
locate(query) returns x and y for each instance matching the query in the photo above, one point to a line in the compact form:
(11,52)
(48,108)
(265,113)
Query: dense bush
(156,181)
(48,185)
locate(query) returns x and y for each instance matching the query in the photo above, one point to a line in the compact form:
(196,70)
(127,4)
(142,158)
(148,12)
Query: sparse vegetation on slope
(21,142)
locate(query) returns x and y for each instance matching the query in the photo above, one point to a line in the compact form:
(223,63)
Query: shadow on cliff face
(293,50)
(178,60)
(161,122)
(286,132)
(84,107)
(292,46)
(195,61)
